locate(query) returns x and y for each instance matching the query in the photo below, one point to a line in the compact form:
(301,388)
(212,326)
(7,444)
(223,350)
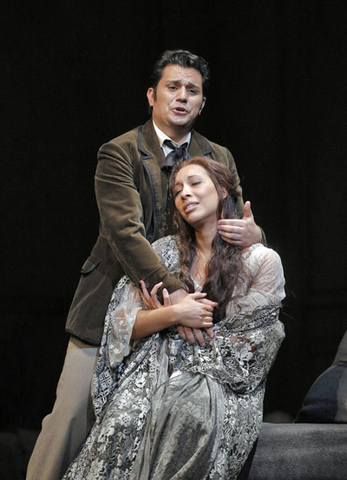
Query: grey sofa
(299,451)
(315,446)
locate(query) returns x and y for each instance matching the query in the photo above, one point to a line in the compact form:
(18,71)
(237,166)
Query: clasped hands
(194,310)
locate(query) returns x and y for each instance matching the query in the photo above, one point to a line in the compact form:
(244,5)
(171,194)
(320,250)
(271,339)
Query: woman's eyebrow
(194,175)
(188,178)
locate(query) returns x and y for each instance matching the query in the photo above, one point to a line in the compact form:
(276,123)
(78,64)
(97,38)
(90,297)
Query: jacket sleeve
(121,217)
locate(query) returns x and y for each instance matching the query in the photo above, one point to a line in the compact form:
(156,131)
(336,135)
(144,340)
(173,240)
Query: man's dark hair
(183,58)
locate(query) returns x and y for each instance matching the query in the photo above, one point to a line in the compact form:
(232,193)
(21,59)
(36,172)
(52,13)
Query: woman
(167,409)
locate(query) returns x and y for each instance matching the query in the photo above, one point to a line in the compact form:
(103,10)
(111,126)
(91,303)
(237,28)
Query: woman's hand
(192,312)
(151,300)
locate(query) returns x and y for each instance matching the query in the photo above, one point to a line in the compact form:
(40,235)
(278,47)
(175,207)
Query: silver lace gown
(167,410)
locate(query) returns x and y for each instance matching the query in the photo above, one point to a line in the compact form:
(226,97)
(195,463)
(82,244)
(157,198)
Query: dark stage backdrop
(74,74)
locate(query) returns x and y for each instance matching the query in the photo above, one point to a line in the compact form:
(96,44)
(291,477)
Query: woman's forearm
(151,321)
(189,312)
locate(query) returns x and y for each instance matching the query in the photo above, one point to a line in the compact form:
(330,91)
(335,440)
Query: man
(131,190)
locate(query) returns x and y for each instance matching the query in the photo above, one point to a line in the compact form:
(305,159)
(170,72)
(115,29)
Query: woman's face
(196,197)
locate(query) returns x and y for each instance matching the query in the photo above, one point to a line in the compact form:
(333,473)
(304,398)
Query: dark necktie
(177,154)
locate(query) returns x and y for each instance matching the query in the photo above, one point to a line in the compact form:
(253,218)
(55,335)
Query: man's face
(177,100)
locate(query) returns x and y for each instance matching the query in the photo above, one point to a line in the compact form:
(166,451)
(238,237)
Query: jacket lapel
(152,156)
(199,146)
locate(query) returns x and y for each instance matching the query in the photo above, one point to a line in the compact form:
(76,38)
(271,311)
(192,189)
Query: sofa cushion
(290,451)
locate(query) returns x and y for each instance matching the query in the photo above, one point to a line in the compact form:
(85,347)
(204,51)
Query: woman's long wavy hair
(226,262)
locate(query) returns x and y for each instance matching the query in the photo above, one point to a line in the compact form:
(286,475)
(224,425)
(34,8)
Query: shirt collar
(162,137)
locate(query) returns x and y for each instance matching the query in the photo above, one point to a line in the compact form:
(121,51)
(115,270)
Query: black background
(74,74)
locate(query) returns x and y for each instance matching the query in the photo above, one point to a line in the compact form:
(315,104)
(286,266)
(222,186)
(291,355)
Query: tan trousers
(67,427)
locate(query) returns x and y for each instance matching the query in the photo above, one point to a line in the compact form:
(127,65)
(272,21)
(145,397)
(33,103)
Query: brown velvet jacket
(131,192)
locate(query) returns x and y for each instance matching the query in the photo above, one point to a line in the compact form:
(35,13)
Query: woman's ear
(222,205)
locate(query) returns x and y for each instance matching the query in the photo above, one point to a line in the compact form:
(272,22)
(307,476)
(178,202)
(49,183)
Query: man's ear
(151,96)
(202,105)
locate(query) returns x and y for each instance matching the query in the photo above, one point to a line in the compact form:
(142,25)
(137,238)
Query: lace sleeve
(247,354)
(126,302)
(121,314)
(250,338)
(263,283)
(116,342)
(120,318)
(269,279)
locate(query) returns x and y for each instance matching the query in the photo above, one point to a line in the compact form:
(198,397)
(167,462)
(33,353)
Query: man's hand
(193,335)
(242,232)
